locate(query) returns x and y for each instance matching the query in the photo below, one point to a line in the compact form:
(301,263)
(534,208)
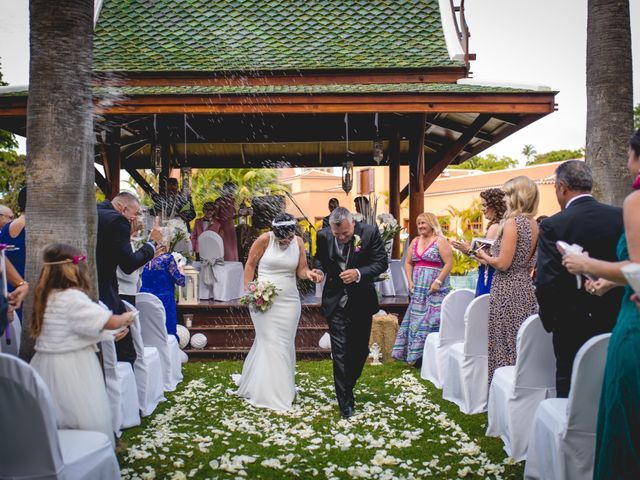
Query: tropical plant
(12,168)
(60,172)
(636,117)
(465,219)
(462,264)
(489,163)
(609,97)
(529,151)
(557,156)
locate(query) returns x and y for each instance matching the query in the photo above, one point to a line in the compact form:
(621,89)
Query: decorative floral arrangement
(357,243)
(260,296)
(177,231)
(388,226)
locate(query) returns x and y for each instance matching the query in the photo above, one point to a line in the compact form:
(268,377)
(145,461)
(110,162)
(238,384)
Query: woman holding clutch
(493,208)
(617,439)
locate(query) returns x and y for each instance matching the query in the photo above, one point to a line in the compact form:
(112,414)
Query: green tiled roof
(268,35)
(294,89)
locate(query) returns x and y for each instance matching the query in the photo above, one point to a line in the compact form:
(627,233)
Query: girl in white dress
(67,324)
(268,374)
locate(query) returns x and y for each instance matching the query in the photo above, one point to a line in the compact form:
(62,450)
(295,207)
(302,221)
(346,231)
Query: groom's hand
(349,276)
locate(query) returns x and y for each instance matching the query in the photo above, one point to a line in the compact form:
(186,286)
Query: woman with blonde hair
(427,268)
(512,256)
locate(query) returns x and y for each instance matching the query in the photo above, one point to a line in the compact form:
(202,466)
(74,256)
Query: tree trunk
(60,172)
(609,98)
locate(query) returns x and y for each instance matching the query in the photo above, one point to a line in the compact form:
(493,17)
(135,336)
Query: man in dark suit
(575,315)
(113,249)
(333,204)
(351,255)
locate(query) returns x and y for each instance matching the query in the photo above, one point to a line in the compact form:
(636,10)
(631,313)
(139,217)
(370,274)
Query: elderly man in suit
(575,315)
(113,250)
(351,255)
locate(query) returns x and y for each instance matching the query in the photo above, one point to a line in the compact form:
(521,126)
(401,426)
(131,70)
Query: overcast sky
(530,42)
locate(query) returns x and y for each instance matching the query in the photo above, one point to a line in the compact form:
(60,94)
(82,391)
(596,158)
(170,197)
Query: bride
(268,374)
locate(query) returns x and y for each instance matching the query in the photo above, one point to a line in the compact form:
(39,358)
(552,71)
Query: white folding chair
(465,383)
(563,436)
(154,334)
(121,389)
(12,346)
(437,344)
(517,390)
(219,280)
(147,370)
(31,446)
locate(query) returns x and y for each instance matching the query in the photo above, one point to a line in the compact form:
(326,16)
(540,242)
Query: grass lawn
(402,429)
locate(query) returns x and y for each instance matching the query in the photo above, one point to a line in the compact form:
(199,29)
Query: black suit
(113,249)
(574,315)
(350,322)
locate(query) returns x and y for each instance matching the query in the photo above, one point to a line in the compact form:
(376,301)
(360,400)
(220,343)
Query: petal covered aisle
(402,429)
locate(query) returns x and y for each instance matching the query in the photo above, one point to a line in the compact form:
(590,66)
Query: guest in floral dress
(159,278)
(512,256)
(428,269)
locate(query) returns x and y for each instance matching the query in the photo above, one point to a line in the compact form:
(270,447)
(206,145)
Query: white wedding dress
(268,374)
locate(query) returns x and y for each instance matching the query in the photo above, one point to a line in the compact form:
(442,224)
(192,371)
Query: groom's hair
(339,215)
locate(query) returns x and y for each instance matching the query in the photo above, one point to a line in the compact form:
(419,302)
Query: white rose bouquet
(260,296)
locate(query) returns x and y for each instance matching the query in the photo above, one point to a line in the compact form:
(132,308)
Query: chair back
(452,313)
(136,333)
(210,245)
(29,445)
(586,384)
(535,361)
(405,249)
(152,320)
(476,327)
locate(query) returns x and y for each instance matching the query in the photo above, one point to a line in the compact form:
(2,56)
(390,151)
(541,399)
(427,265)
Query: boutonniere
(357,243)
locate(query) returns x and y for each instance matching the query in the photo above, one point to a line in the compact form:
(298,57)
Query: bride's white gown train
(268,374)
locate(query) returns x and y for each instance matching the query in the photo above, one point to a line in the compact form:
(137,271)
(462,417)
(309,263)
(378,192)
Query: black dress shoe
(347,412)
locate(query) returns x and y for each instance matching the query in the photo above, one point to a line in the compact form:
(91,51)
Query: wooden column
(165,153)
(394,186)
(114,159)
(416,170)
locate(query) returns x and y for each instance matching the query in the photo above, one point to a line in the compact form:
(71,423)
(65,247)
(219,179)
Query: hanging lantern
(347,176)
(378,151)
(156,159)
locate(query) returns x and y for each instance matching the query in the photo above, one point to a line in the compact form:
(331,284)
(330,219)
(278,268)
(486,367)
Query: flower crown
(76,259)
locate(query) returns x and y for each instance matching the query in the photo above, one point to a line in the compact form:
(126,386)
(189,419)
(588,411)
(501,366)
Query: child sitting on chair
(67,324)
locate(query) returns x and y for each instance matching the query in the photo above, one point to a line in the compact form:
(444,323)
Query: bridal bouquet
(261,295)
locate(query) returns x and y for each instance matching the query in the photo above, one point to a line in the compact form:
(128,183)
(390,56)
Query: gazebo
(268,83)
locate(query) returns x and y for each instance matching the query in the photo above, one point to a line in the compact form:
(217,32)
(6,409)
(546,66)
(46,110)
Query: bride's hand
(315,275)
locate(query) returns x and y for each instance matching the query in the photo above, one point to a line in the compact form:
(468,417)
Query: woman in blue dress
(617,453)
(428,269)
(493,207)
(159,277)
(14,233)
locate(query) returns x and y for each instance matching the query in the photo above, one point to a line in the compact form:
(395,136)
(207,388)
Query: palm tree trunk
(609,97)
(60,173)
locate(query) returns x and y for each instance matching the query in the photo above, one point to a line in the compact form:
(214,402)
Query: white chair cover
(399,277)
(31,446)
(15,334)
(516,391)
(466,379)
(147,370)
(121,389)
(563,437)
(385,287)
(436,347)
(154,334)
(228,278)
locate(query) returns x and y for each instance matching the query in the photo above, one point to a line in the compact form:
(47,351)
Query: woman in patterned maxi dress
(512,298)
(428,267)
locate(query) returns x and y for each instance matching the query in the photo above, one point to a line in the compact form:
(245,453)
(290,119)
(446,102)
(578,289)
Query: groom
(351,255)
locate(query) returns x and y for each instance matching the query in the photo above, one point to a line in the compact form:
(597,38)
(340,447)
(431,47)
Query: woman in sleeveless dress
(512,297)
(617,454)
(428,267)
(268,374)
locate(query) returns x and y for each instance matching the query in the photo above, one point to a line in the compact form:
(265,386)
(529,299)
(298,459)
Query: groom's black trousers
(350,332)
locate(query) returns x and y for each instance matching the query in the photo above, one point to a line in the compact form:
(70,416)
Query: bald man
(6,215)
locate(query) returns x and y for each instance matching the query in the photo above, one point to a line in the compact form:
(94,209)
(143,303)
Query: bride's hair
(284,225)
